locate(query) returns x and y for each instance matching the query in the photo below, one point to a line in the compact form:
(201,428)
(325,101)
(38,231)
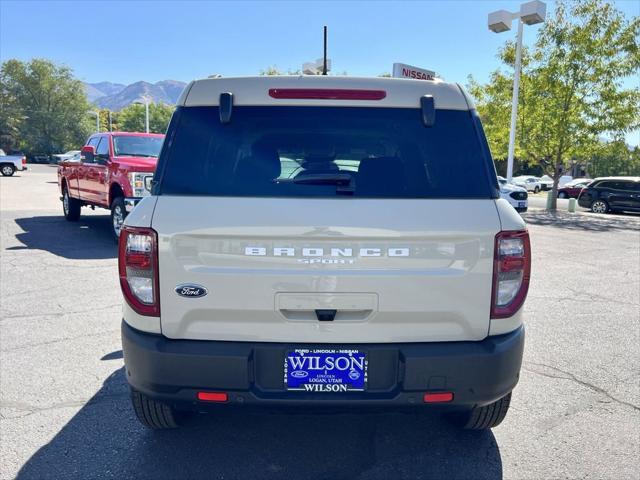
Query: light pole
(97,119)
(500,21)
(146,112)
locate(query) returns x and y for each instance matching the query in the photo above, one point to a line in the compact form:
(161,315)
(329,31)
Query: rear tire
(599,206)
(118,214)
(536,189)
(153,414)
(70,206)
(7,170)
(489,416)
(562,195)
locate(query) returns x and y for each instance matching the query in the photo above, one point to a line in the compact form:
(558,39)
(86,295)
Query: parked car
(114,171)
(38,158)
(531,184)
(546,182)
(516,196)
(9,164)
(70,155)
(572,189)
(376,275)
(611,194)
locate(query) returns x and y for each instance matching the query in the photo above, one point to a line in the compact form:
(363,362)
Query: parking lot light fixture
(530,13)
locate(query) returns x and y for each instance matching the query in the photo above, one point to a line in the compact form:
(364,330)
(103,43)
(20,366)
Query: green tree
(104,120)
(132,117)
(274,70)
(271,70)
(614,158)
(573,87)
(44,108)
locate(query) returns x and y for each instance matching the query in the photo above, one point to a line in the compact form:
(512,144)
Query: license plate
(326,371)
(521,204)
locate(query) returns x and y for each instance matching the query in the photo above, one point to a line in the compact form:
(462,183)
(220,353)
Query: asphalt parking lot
(64,406)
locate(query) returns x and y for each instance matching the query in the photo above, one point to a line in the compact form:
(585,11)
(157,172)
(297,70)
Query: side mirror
(87,154)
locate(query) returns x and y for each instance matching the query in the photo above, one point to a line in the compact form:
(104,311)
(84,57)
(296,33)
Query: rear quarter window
(326,152)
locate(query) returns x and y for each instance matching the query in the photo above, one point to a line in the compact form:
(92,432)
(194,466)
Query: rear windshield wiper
(345,182)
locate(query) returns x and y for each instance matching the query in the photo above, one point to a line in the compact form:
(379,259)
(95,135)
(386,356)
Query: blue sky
(127,41)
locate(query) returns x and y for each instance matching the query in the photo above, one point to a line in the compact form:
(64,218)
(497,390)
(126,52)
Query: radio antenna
(324,63)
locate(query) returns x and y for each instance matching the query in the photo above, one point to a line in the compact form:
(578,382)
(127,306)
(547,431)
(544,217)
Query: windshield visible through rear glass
(134,146)
(325,152)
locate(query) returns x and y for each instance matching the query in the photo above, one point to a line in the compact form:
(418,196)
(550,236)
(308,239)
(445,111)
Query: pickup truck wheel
(118,214)
(489,416)
(70,207)
(153,414)
(7,170)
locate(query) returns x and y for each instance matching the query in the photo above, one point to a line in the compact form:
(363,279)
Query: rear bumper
(251,373)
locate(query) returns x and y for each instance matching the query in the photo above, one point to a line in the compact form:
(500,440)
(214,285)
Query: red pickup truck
(114,171)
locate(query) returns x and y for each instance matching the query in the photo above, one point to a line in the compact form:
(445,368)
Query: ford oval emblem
(191,291)
(299,373)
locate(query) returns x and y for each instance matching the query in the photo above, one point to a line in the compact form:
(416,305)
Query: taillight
(326,94)
(24,161)
(138,266)
(511,273)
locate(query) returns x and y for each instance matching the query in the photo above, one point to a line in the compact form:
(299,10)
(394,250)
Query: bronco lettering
(333,252)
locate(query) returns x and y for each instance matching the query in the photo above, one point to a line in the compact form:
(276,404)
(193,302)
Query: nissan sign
(400,70)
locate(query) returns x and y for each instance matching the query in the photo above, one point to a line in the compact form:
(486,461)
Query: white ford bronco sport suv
(323,241)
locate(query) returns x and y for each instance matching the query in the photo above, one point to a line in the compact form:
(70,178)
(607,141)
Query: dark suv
(611,194)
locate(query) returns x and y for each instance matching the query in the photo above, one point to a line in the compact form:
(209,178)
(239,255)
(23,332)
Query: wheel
(70,206)
(536,189)
(562,195)
(118,214)
(599,206)
(153,414)
(489,416)
(7,170)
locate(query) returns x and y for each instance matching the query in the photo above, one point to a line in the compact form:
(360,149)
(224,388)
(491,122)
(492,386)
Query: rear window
(325,152)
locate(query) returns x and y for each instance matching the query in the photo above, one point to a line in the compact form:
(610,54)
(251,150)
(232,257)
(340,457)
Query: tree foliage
(572,87)
(132,118)
(614,158)
(44,109)
(272,70)
(104,120)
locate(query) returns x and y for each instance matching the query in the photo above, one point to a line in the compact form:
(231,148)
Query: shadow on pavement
(89,238)
(113,355)
(104,440)
(583,221)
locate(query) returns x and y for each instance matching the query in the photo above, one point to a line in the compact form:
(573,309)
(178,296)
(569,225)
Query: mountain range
(116,96)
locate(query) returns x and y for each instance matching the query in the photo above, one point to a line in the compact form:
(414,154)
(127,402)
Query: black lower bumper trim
(399,374)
